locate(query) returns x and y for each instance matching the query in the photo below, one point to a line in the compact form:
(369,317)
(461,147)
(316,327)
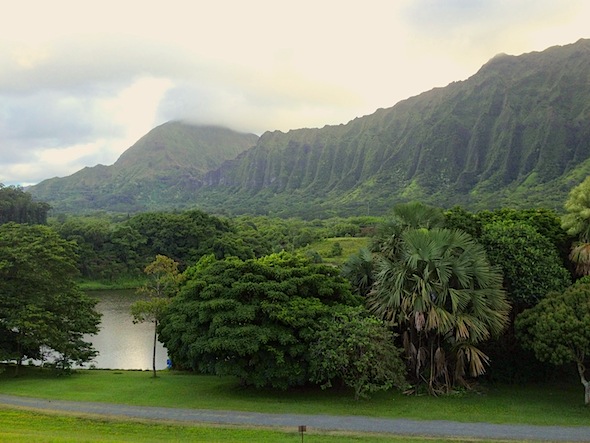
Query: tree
(252,319)
(441,290)
(40,303)
(161,286)
(546,222)
(532,251)
(92,237)
(405,216)
(359,270)
(18,206)
(577,219)
(557,329)
(577,222)
(531,268)
(184,237)
(336,249)
(530,262)
(358,350)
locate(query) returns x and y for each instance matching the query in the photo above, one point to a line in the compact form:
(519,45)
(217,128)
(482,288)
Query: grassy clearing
(122,283)
(26,426)
(554,404)
(350,245)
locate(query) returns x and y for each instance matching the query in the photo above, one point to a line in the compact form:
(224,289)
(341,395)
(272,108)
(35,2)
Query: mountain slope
(517,129)
(161,170)
(515,133)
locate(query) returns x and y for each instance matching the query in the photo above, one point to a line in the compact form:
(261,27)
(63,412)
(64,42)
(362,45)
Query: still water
(121,343)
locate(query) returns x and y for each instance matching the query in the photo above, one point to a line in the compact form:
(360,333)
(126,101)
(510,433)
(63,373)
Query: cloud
(472,28)
(258,101)
(51,119)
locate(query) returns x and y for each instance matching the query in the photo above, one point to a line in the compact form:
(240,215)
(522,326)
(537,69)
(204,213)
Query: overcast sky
(81,81)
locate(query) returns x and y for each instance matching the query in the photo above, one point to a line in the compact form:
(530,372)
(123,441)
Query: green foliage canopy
(40,304)
(253,319)
(18,206)
(557,329)
(532,250)
(530,262)
(576,221)
(358,350)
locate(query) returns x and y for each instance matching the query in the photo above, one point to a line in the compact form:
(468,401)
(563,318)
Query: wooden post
(302,429)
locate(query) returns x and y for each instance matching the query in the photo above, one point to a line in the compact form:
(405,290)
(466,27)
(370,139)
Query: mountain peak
(514,134)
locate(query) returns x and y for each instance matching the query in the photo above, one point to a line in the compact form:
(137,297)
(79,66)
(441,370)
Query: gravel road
(437,428)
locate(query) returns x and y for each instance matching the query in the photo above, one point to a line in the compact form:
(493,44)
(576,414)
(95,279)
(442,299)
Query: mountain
(161,170)
(515,133)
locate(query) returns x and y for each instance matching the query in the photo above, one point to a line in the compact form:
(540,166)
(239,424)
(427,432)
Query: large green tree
(41,306)
(185,237)
(106,250)
(531,249)
(447,299)
(530,262)
(253,319)
(531,268)
(557,329)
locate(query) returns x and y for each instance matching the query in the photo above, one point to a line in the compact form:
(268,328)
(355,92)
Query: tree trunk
(19,360)
(155,343)
(586,383)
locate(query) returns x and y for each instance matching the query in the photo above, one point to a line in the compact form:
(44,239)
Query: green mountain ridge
(515,133)
(160,171)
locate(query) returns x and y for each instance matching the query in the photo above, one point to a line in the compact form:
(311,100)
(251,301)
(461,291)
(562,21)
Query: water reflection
(120,343)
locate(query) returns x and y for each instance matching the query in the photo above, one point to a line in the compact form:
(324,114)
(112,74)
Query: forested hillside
(161,171)
(514,134)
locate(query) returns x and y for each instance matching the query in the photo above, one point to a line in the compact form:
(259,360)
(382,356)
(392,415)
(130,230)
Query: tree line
(437,299)
(18,206)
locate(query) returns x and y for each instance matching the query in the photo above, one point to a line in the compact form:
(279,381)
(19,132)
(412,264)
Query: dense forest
(19,207)
(460,291)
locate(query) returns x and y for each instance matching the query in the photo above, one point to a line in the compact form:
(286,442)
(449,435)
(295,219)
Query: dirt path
(437,428)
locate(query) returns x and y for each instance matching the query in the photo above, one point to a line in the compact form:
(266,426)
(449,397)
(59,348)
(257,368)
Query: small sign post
(302,429)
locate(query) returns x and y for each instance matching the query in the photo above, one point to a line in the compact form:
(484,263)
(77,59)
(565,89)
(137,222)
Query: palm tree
(577,222)
(439,288)
(405,216)
(359,270)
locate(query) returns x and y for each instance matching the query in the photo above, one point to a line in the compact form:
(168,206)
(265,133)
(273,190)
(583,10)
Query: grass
(29,426)
(102,285)
(554,404)
(350,245)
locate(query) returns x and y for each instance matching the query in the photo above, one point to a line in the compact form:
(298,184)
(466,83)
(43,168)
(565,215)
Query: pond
(121,343)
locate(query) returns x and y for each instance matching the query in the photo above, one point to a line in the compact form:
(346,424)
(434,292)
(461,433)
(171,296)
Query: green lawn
(27,426)
(553,404)
(350,245)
